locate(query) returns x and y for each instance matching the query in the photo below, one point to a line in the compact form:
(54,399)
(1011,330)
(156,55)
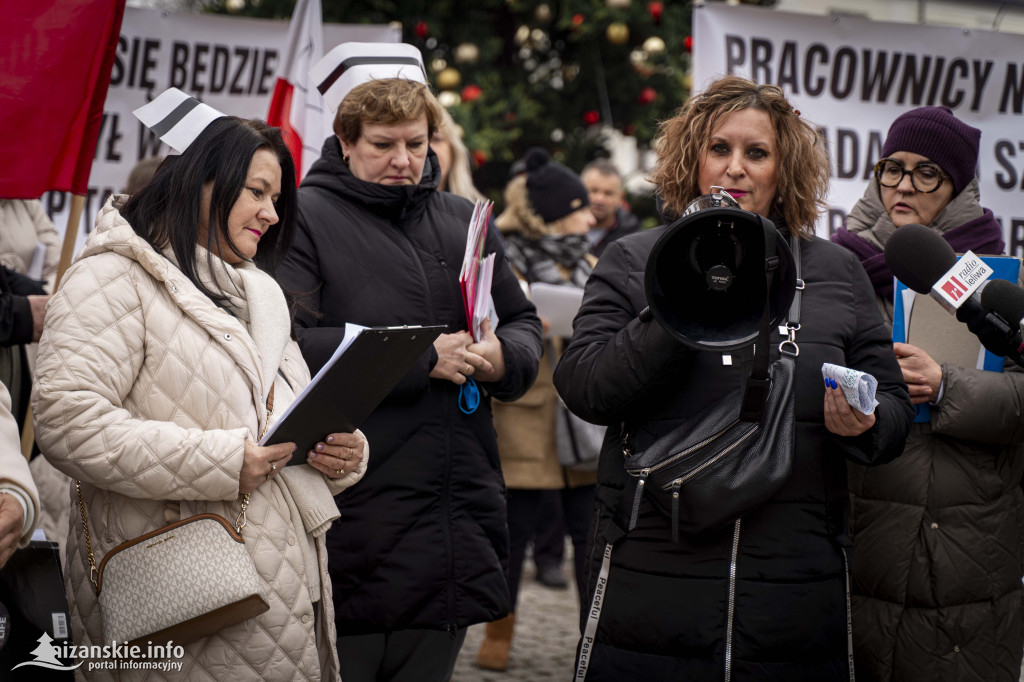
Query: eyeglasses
(925,177)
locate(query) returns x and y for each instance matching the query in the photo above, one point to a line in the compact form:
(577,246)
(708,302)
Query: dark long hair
(166,211)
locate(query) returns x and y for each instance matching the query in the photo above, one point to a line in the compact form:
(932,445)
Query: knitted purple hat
(934,132)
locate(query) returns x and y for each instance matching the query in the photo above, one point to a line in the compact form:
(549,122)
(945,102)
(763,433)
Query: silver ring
(337,472)
(273,466)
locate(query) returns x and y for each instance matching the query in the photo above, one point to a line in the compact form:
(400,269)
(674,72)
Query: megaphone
(708,277)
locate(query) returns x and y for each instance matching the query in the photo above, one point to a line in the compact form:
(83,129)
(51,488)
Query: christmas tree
(518,73)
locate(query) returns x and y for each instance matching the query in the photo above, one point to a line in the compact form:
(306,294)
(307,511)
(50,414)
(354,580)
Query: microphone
(926,263)
(1006,300)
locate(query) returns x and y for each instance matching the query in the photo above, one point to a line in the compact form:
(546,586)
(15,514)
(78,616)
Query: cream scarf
(257,301)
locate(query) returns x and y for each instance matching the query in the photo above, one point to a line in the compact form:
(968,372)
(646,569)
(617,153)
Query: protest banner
(852,77)
(230,63)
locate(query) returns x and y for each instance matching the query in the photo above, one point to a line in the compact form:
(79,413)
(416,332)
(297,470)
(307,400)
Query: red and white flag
(56,59)
(296,107)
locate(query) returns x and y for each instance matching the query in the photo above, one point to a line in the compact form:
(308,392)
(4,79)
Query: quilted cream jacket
(146,392)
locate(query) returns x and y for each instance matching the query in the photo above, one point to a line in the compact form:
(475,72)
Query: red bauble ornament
(655,9)
(577,20)
(591,117)
(688,43)
(471,93)
(479,157)
(422,29)
(647,96)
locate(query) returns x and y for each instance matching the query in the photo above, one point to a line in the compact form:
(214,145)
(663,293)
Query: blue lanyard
(469,396)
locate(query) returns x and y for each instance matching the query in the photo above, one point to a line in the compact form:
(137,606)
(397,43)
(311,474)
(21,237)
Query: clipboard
(350,386)
(919,320)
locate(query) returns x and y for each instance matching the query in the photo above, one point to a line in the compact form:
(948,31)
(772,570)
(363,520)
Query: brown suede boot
(493,654)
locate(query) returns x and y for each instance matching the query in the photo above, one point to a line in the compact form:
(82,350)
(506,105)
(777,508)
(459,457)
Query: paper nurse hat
(176,118)
(352,64)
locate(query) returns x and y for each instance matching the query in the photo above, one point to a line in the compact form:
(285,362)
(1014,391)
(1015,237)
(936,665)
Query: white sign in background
(852,77)
(228,62)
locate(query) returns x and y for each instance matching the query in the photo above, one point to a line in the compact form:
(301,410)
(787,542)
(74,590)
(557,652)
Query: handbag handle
(239,520)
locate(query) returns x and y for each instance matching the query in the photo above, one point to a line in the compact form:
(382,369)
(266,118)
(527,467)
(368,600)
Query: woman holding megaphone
(749,582)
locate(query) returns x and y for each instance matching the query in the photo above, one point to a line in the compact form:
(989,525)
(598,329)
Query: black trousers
(400,656)
(524,517)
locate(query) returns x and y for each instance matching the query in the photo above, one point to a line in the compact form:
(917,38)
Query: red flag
(56,59)
(296,107)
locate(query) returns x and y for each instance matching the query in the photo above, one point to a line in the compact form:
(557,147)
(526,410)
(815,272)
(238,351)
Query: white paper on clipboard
(558,305)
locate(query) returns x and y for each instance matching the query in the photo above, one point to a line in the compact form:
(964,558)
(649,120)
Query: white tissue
(858,387)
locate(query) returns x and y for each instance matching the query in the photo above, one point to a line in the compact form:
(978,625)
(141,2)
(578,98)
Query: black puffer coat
(666,606)
(422,541)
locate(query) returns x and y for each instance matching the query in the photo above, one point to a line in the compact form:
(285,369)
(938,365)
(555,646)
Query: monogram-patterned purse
(181,582)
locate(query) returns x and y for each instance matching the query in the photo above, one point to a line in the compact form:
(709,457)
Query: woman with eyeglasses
(938,544)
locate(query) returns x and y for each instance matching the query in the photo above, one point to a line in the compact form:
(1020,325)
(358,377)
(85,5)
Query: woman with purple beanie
(938,533)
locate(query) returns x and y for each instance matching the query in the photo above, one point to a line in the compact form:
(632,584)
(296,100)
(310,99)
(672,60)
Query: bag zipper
(739,441)
(696,446)
(732,600)
(677,483)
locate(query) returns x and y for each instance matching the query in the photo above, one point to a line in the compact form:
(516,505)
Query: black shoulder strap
(756,392)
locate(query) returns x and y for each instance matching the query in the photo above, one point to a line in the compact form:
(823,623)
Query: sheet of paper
(557,305)
(469,274)
(351,332)
(483,304)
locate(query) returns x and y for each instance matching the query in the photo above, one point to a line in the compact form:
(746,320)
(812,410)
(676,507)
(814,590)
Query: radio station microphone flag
(56,58)
(296,107)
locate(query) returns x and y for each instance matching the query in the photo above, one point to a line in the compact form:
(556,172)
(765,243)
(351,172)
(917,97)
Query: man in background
(604,186)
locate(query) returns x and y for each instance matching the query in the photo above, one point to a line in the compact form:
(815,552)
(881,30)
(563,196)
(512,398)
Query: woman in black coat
(764,598)
(419,553)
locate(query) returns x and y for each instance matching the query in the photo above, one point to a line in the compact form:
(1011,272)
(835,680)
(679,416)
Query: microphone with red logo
(926,263)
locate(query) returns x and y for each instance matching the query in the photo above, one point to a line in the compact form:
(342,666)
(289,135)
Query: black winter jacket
(422,541)
(666,606)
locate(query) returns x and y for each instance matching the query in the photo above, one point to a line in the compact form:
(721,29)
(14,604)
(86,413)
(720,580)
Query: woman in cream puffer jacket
(147,393)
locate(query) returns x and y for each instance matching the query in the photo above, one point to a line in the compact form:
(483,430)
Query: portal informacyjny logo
(46,656)
(115,656)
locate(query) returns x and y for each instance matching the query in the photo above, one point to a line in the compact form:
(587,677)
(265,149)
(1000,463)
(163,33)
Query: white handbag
(181,582)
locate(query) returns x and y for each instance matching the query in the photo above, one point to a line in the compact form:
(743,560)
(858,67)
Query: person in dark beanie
(544,227)
(938,534)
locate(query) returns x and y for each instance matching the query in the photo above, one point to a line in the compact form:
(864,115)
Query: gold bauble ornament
(617,33)
(654,45)
(438,65)
(466,53)
(618,4)
(543,13)
(234,6)
(449,79)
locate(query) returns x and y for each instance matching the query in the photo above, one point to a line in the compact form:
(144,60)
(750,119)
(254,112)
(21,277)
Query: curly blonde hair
(387,101)
(803,163)
(519,214)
